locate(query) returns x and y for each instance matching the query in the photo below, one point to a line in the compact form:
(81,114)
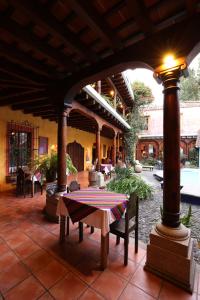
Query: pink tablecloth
(98,208)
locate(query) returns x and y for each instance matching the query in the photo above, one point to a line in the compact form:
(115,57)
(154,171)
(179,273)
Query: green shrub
(131,183)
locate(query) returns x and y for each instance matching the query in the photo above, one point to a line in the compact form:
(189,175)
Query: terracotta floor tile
(12,276)
(38,260)
(148,282)
(91,295)
(71,287)
(170,291)
(88,270)
(116,265)
(3,249)
(26,249)
(7,260)
(50,274)
(46,296)
(17,240)
(132,292)
(109,285)
(138,257)
(29,289)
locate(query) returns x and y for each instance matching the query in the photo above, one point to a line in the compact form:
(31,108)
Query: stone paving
(149,213)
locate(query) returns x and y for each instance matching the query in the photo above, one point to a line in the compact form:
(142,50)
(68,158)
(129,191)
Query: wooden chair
(75,186)
(23,183)
(123,227)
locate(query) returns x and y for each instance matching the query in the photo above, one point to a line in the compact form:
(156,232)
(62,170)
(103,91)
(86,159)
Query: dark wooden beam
(139,11)
(95,21)
(6,95)
(191,6)
(43,102)
(39,110)
(40,15)
(14,71)
(14,55)
(23,99)
(22,34)
(41,114)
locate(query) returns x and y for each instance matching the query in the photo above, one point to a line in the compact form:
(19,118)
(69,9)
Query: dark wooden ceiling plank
(191,6)
(139,11)
(22,99)
(19,86)
(6,95)
(15,71)
(31,105)
(39,110)
(40,15)
(96,22)
(117,7)
(22,34)
(16,56)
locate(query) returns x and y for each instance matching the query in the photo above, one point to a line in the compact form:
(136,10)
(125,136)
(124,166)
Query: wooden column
(118,141)
(98,148)
(171,145)
(62,135)
(114,150)
(99,86)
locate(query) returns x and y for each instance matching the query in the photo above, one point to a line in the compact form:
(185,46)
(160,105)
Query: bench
(150,168)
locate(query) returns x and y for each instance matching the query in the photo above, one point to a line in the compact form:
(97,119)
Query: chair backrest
(132,208)
(20,175)
(74,186)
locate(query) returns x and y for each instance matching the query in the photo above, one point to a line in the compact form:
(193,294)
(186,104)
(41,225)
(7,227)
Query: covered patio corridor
(33,265)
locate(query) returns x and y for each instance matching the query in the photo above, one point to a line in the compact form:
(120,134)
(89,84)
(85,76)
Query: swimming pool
(190,180)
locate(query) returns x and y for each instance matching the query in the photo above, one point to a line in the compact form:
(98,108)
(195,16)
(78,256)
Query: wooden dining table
(95,207)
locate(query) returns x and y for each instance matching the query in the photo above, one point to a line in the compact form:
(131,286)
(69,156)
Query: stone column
(62,135)
(98,154)
(170,250)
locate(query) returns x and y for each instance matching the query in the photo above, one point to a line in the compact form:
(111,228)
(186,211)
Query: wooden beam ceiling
(85,10)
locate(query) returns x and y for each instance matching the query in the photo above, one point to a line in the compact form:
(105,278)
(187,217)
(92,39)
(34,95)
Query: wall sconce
(171,65)
(112,93)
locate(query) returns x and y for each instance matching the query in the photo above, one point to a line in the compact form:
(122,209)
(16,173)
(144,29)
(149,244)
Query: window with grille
(20,145)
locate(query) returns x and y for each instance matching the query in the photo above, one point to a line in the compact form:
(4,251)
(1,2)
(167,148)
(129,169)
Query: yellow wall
(46,129)
(87,140)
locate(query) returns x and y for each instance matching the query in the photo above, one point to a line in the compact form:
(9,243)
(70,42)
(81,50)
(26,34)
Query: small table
(95,207)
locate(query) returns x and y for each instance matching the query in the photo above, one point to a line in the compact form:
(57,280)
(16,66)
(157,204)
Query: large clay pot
(138,168)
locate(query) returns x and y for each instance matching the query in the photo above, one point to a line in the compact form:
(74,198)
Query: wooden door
(76,152)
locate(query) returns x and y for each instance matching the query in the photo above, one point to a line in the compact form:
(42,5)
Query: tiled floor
(33,265)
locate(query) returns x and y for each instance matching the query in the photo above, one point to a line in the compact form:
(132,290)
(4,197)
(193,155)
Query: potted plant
(48,166)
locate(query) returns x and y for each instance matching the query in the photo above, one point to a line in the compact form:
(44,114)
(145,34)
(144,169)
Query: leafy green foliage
(142,95)
(126,182)
(185,219)
(190,86)
(48,165)
(150,161)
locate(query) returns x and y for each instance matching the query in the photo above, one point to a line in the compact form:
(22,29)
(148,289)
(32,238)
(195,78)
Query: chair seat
(118,227)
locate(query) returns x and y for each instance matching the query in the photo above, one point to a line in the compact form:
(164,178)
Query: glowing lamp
(112,93)
(171,65)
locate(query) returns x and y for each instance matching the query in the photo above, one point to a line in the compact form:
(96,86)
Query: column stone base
(171,259)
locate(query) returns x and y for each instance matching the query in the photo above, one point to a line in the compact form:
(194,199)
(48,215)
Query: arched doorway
(76,152)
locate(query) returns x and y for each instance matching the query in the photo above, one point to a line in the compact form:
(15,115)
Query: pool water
(190,181)
(190,177)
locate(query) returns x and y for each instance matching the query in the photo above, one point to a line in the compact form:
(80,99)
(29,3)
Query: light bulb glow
(112,93)
(169,61)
